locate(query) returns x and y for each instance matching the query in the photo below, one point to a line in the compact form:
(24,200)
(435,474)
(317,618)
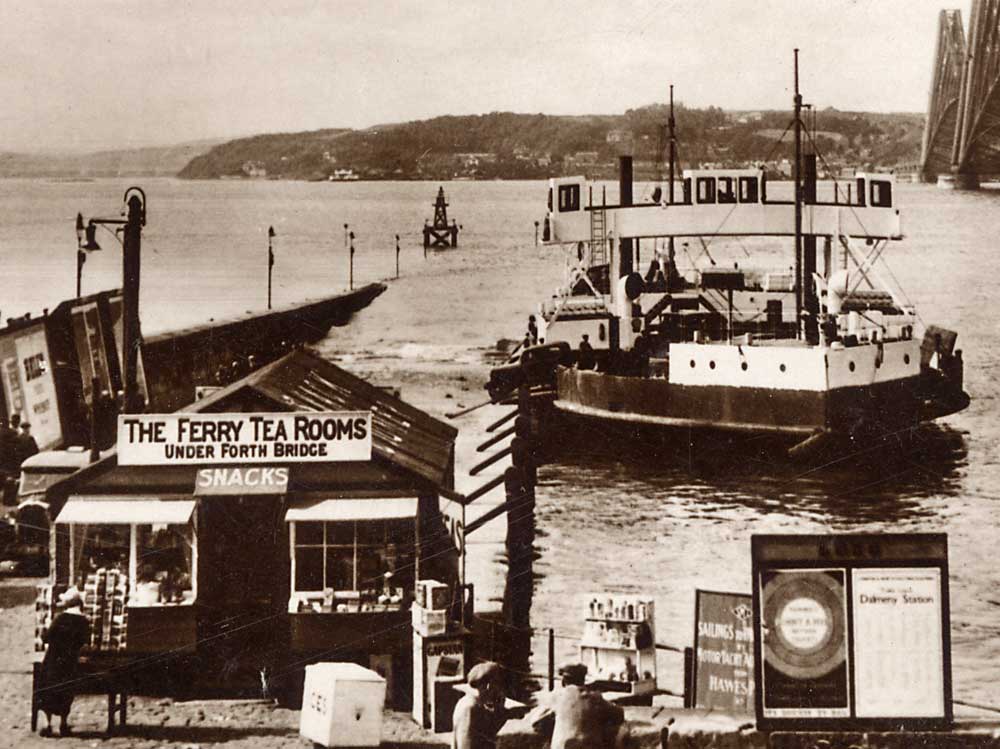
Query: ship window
(906,358)
(601,333)
(782,367)
(687,190)
(881,193)
(861,191)
(711,365)
(706,189)
(850,366)
(569,198)
(748,189)
(743,366)
(727,191)
(692,364)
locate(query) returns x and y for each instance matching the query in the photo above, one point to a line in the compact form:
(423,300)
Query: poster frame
(761,543)
(698,592)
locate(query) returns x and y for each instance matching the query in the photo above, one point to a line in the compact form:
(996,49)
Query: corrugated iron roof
(305,381)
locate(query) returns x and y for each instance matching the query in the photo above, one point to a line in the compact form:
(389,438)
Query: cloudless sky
(100,74)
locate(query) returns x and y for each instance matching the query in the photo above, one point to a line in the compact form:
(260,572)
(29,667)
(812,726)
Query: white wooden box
(342,705)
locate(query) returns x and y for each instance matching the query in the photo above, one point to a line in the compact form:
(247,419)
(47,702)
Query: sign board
(723,651)
(242,480)
(242,438)
(852,632)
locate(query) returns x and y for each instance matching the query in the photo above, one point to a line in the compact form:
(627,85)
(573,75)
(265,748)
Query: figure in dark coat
(66,637)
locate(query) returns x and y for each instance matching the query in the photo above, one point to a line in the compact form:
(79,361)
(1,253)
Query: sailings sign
(197,438)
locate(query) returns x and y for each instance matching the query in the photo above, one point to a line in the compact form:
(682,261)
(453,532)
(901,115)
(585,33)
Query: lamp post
(85,242)
(131,228)
(270,261)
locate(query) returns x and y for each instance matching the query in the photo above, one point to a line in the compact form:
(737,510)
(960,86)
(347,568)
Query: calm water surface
(603,523)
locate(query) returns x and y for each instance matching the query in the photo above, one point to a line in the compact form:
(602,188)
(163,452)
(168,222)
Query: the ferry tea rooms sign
(196,438)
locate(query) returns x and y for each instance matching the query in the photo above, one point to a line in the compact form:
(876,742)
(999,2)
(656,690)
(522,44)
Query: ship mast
(672,141)
(797,176)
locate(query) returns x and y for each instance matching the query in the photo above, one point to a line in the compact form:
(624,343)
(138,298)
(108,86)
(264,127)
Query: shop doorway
(243,589)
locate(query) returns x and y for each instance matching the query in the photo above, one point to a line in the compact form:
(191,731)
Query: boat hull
(802,424)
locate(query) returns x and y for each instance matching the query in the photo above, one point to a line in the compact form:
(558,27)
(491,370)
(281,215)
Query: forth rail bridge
(961,145)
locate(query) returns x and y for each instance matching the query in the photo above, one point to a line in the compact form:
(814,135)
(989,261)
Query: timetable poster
(898,643)
(804,638)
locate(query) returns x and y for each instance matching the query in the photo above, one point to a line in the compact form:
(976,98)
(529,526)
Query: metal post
(95,391)
(270,262)
(536,234)
(797,176)
(81,258)
(351,270)
(131,264)
(397,256)
(552,659)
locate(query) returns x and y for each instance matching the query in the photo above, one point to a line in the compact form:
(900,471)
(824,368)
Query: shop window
(348,566)
(98,547)
(164,564)
(158,560)
(706,189)
(727,190)
(34,367)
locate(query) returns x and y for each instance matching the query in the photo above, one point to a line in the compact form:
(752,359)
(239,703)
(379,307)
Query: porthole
(743,366)
(782,367)
(906,358)
(692,364)
(711,365)
(850,366)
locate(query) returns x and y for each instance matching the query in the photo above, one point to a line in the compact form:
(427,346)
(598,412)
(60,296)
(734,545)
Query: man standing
(9,464)
(579,717)
(26,445)
(480,715)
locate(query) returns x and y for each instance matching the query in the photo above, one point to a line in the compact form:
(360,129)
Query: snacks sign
(195,438)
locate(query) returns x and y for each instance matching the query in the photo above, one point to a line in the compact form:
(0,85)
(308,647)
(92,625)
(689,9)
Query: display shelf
(618,649)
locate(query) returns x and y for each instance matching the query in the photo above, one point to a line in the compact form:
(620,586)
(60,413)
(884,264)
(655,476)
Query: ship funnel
(625,199)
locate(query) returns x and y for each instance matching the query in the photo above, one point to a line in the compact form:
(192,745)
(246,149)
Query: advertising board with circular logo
(805,624)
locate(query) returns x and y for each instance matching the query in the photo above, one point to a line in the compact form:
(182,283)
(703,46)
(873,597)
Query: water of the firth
(603,523)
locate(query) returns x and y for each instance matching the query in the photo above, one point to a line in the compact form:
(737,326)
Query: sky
(91,75)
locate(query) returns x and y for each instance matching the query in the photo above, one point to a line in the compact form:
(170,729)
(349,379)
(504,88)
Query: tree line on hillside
(518,146)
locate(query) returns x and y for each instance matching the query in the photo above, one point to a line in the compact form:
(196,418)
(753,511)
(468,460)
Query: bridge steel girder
(942,127)
(978,144)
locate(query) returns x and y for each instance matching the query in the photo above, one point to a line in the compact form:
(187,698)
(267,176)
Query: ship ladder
(598,237)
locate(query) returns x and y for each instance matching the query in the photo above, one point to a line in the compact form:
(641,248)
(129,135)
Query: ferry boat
(799,357)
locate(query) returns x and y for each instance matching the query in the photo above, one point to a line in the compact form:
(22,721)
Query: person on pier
(480,715)
(585,357)
(578,716)
(65,638)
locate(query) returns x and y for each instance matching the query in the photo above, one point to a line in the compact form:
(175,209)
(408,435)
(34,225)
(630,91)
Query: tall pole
(672,141)
(672,146)
(81,256)
(270,262)
(397,256)
(351,269)
(797,176)
(131,256)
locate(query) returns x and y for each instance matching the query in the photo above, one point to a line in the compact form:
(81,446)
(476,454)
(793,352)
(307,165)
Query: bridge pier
(958,181)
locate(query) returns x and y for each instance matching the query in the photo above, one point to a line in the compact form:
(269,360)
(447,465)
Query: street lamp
(270,261)
(85,242)
(131,228)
